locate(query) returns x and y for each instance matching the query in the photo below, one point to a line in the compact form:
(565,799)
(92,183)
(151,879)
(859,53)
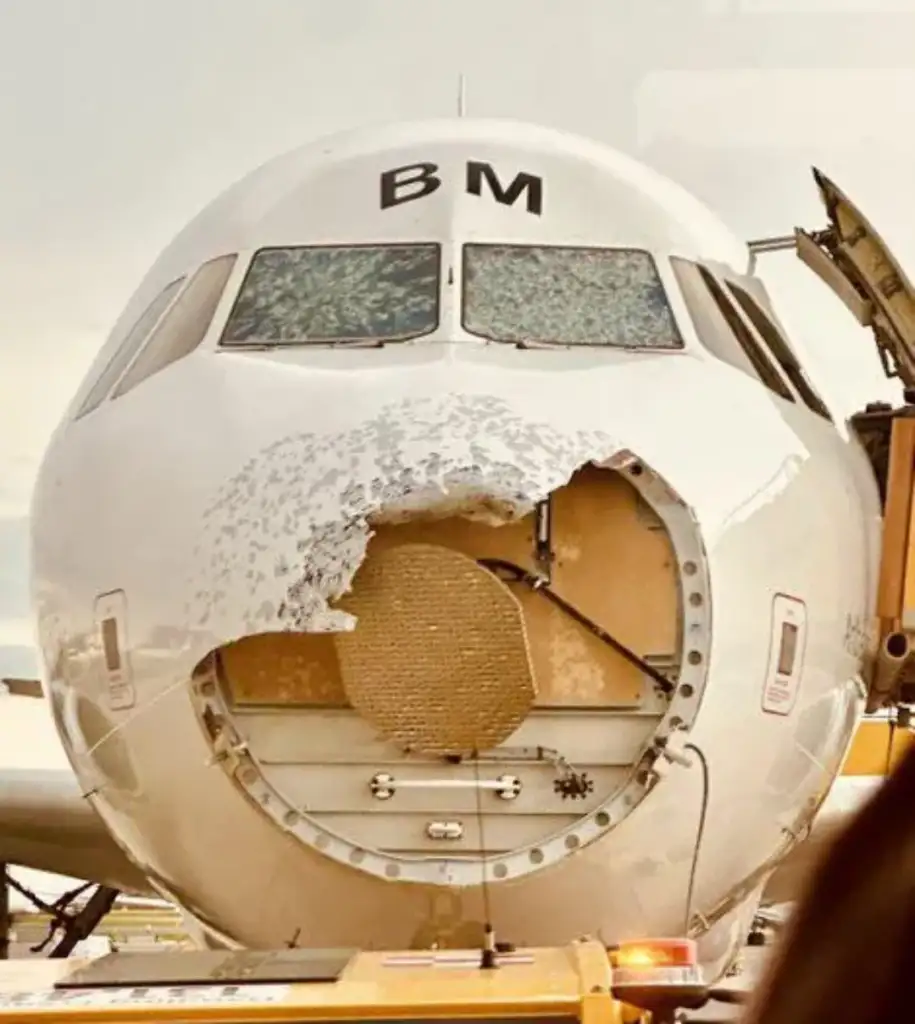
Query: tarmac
(123,929)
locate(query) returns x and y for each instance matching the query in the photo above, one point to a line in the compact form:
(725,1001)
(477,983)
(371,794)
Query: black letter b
(420,179)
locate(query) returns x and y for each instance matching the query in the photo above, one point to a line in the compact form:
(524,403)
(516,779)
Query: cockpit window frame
(152,358)
(566,346)
(760,364)
(772,335)
(131,344)
(224,345)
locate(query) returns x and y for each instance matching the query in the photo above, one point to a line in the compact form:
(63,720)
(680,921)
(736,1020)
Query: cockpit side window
(711,327)
(565,295)
(337,294)
(720,338)
(129,347)
(184,326)
(780,349)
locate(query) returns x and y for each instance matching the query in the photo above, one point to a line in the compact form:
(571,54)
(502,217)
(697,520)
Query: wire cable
(488,955)
(700,832)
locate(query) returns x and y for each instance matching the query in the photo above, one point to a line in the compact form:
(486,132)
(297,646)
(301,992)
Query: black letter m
(477,171)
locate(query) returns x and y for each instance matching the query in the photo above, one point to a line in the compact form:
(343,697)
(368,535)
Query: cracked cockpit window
(547,295)
(327,294)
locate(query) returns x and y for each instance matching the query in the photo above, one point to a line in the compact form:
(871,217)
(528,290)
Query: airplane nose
(449,576)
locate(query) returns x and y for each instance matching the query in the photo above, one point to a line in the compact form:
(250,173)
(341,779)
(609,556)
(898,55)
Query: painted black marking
(416,181)
(411,181)
(523,182)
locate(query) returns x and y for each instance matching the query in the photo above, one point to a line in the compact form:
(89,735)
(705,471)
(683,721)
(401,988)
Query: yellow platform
(566,985)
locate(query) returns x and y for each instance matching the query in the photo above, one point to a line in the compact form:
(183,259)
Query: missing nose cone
(464,694)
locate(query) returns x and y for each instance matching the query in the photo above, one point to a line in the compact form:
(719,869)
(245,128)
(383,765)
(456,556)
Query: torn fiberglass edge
(295,522)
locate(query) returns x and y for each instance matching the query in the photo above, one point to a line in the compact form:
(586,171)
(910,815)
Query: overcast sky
(120,118)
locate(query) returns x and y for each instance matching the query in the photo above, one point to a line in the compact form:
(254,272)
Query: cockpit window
(183,327)
(780,349)
(549,295)
(129,347)
(328,294)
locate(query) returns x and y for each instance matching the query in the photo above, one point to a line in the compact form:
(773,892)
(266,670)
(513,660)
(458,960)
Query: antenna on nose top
(462,95)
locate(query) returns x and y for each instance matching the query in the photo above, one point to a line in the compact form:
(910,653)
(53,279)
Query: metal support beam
(5,919)
(81,925)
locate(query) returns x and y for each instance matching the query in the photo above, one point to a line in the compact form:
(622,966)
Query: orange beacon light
(659,976)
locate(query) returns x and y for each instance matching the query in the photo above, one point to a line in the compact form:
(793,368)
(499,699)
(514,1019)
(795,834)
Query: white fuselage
(169,508)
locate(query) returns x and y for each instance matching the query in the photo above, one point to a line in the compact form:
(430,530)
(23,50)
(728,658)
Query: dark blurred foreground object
(848,954)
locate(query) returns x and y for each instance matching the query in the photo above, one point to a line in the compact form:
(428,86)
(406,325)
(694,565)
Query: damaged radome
(485,644)
(295,522)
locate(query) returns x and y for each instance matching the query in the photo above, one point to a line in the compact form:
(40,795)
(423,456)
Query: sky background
(119,119)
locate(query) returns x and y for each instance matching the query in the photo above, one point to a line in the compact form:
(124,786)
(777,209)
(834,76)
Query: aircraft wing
(45,822)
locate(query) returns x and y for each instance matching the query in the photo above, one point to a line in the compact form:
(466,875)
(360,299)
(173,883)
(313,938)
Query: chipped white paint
(282,540)
(235,490)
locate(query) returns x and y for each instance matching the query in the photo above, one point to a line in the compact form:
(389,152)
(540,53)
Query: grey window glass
(760,360)
(184,326)
(129,347)
(566,296)
(326,294)
(780,349)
